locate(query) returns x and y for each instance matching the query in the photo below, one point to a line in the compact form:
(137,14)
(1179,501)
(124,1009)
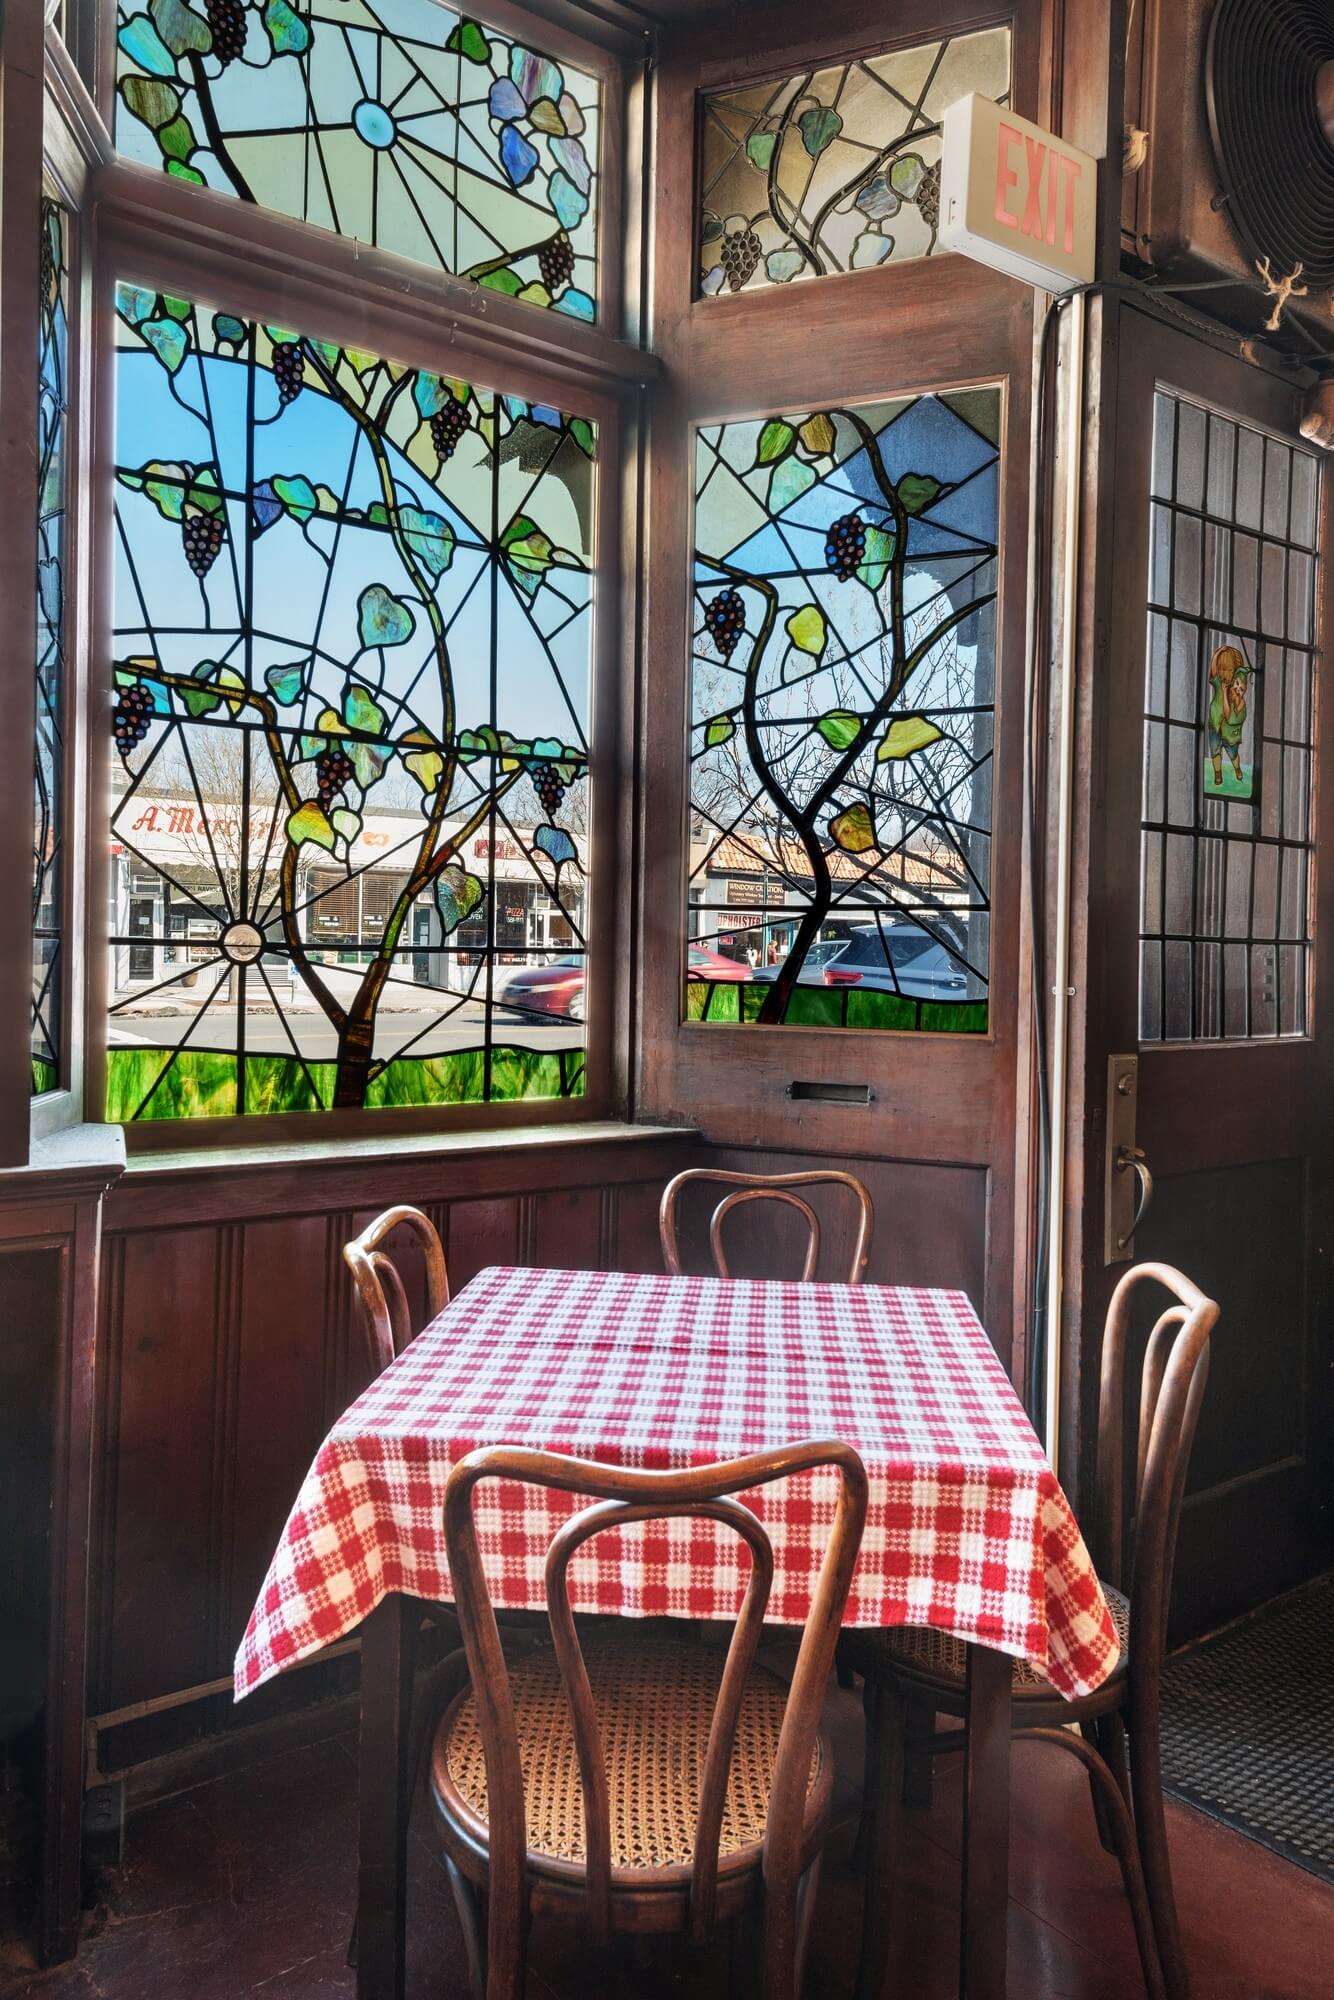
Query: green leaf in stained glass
(776,441)
(144,45)
(177,139)
(906,736)
(153,102)
(181,172)
(917,490)
(840,728)
(783,265)
(806,629)
(467,39)
(788,482)
(720,730)
(584,436)
(382,618)
(818,435)
(457,894)
(297,495)
(346,824)
(429,536)
(168,340)
(853,829)
(289,34)
(286,683)
(422,757)
(878,555)
(178,308)
(310,822)
(181,28)
(134,303)
(503,280)
(760,150)
(362,711)
(820,126)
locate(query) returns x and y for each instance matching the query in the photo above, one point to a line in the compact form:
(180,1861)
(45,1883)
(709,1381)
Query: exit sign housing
(1016,197)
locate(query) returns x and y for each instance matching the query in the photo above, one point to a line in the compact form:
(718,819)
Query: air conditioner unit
(1231,105)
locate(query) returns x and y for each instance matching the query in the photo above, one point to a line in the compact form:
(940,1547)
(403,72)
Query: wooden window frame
(137,224)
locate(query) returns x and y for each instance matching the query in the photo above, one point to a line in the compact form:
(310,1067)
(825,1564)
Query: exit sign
(1016,197)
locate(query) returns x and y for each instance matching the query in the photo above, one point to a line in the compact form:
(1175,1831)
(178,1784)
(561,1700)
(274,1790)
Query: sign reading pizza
(1016,197)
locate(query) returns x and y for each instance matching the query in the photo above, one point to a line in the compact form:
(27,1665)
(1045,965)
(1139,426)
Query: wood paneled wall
(227,1341)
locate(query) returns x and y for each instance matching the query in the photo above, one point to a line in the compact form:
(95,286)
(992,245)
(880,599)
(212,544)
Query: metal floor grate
(1248,1727)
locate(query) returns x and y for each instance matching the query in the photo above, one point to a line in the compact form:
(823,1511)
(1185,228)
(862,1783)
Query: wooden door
(1209,926)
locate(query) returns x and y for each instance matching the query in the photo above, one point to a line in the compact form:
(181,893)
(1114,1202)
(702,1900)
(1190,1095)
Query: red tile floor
(242,1885)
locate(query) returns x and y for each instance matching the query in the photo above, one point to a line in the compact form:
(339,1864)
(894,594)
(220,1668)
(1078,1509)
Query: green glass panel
(843,688)
(398,122)
(836,169)
(350,708)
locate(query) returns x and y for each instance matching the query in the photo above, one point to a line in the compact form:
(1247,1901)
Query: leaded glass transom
(1229,697)
(52,489)
(351,680)
(398,122)
(835,169)
(842,715)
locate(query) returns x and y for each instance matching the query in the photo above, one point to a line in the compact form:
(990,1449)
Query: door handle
(1133,1157)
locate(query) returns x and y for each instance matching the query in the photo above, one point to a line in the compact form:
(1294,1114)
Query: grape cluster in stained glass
(52,475)
(835,169)
(398,122)
(350,707)
(842,715)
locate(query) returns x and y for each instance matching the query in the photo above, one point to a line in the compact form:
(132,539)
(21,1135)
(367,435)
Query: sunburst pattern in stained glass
(351,701)
(398,122)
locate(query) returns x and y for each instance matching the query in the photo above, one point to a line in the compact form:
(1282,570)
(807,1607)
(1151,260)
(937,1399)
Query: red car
(556,989)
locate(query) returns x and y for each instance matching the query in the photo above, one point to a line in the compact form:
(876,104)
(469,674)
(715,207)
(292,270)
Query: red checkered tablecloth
(967,1527)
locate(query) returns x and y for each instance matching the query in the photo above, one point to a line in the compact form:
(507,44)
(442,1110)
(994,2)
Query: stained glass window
(836,169)
(52,474)
(353,607)
(399,122)
(841,731)
(1225,897)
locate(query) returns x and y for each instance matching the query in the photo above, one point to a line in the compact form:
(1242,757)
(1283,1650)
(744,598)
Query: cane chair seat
(655,1695)
(930,1655)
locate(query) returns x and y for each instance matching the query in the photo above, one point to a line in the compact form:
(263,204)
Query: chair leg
(886,1723)
(1106,1834)
(474,1930)
(870,1697)
(918,1763)
(808,1889)
(1121,1828)
(1151,1829)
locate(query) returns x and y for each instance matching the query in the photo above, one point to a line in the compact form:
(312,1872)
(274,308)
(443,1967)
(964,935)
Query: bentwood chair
(623,1776)
(917,1673)
(765,1187)
(381,1293)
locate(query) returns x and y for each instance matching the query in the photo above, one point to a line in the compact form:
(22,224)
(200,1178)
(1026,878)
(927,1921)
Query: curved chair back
(380,1290)
(1176,1366)
(765,1187)
(625,1496)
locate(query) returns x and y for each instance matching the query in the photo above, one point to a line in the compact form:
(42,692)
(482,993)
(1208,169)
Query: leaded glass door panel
(1210,924)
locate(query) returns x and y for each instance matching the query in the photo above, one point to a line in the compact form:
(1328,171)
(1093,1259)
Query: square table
(967,1528)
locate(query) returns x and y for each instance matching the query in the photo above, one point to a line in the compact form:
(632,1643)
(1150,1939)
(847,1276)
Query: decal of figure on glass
(1229,764)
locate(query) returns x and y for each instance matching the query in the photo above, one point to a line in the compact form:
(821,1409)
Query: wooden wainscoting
(227,1345)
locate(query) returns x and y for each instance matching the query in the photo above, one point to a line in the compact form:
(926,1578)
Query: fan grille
(1277,168)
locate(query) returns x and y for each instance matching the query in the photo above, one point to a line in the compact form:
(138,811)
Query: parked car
(557,988)
(712,965)
(821,953)
(901,958)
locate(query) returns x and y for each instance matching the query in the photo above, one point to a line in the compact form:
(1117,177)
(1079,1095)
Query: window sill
(409,1148)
